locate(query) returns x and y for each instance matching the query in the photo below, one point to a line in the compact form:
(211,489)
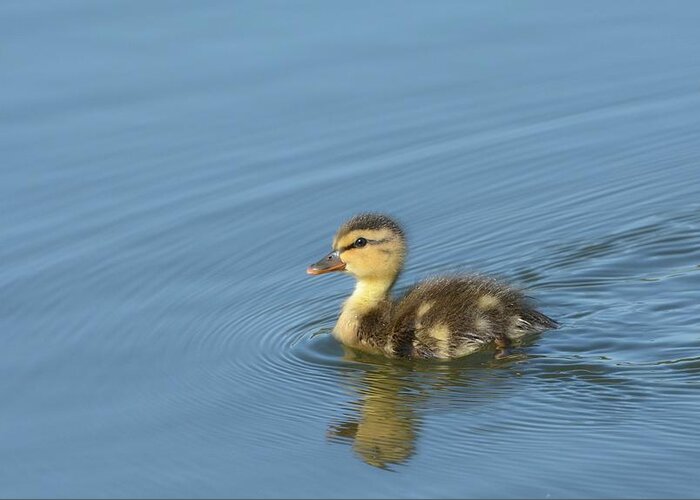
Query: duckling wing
(454,316)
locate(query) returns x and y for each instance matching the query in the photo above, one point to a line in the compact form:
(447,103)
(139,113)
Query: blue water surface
(170,168)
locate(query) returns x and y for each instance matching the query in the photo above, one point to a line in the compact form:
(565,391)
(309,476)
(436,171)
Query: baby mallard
(444,317)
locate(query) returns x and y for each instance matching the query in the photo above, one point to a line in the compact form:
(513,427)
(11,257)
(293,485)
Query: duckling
(445,317)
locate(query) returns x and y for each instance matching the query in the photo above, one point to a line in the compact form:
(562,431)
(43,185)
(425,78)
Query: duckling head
(370,246)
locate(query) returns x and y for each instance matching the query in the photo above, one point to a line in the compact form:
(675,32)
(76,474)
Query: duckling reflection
(387,416)
(384,431)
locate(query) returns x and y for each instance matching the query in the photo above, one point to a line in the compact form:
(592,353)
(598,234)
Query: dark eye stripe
(377,242)
(369,242)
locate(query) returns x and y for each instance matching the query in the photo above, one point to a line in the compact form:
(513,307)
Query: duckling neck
(368,295)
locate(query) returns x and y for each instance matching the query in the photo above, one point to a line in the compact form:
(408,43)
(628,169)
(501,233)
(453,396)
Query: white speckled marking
(441,333)
(422,309)
(463,350)
(482,324)
(488,302)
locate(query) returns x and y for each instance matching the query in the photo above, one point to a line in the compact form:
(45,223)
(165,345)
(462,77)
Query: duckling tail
(538,321)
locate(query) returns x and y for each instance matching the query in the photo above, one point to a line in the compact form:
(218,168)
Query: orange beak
(328,264)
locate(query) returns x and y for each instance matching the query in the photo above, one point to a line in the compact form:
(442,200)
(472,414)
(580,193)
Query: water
(169,169)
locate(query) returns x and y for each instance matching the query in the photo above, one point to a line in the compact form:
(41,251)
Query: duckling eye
(359,243)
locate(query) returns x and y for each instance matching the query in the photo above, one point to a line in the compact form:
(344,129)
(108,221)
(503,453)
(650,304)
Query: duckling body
(445,317)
